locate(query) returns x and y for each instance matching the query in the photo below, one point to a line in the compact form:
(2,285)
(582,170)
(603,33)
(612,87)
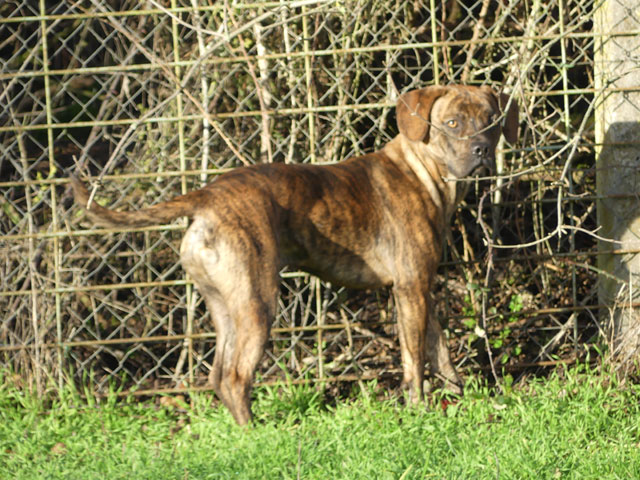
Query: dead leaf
(59,449)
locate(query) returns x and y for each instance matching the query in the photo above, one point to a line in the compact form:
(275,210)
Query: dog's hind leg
(241,337)
(239,282)
(251,299)
(225,340)
(252,326)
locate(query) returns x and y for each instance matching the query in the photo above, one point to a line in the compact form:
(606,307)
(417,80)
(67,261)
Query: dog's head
(461,125)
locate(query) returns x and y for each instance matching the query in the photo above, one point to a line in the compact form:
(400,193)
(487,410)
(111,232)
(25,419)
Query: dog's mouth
(485,166)
(477,168)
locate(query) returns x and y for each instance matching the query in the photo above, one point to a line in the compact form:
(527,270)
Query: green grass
(582,426)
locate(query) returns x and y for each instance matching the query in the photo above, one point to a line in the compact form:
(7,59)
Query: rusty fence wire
(151,99)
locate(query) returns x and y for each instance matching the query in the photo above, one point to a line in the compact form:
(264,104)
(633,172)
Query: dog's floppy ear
(510,123)
(413,111)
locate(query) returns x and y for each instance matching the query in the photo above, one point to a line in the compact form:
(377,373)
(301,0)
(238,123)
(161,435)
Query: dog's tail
(182,206)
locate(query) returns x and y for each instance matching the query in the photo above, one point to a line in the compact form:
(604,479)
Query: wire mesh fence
(152,99)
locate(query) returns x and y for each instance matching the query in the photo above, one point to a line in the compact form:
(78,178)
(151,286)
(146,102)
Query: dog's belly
(345,269)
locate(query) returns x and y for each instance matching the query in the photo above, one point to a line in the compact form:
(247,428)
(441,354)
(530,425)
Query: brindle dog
(373,221)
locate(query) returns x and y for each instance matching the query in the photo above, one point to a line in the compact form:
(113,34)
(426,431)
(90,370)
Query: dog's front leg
(439,357)
(413,309)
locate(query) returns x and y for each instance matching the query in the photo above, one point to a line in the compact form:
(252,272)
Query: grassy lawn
(582,426)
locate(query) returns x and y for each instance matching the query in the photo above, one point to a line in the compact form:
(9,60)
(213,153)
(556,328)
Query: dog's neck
(433,175)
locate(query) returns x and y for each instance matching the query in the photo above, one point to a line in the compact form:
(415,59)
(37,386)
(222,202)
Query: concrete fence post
(617,115)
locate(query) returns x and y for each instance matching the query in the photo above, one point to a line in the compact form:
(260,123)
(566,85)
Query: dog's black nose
(480,150)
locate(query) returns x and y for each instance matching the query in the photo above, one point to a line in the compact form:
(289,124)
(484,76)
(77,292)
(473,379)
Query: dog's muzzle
(483,155)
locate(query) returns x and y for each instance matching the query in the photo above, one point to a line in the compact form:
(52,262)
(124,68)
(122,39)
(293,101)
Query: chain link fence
(151,99)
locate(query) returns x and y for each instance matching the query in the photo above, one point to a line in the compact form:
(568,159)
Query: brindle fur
(372,221)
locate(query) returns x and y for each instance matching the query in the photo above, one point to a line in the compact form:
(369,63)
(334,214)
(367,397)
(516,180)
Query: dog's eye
(452,123)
